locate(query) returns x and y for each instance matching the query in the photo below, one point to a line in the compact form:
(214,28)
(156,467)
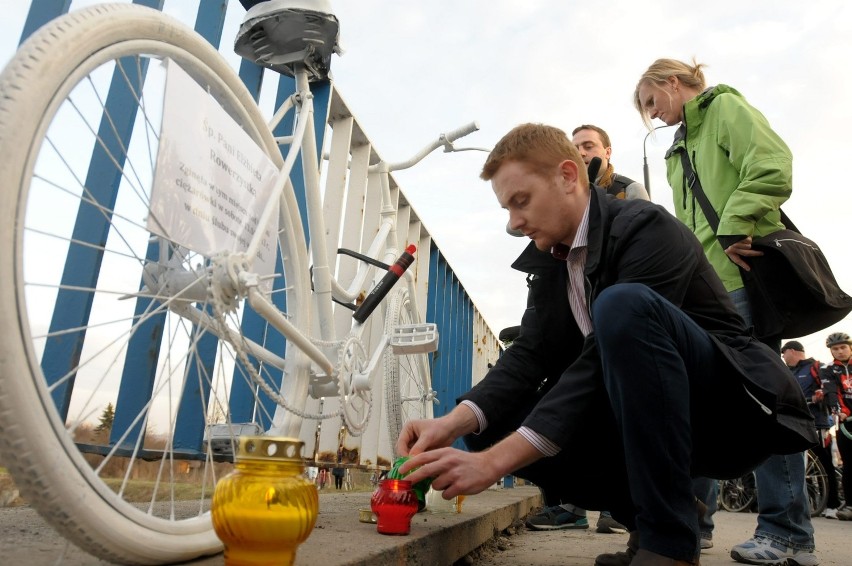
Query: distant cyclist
(837,374)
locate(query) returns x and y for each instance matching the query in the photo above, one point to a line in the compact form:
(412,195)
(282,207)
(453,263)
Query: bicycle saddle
(279,34)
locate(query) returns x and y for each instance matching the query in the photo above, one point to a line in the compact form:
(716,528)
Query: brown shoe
(628,557)
(700,508)
(648,558)
(623,558)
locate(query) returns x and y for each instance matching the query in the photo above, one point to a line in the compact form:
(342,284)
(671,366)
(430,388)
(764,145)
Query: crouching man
(610,397)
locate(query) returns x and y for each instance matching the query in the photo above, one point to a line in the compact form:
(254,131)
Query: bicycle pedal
(414,338)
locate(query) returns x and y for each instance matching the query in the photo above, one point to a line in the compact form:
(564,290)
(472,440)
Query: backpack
(619,186)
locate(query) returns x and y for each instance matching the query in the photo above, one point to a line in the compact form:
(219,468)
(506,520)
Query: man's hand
(465,473)
(740,250)
(421,435)
(454,471)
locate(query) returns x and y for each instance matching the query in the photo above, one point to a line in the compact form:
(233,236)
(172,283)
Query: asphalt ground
(579,547)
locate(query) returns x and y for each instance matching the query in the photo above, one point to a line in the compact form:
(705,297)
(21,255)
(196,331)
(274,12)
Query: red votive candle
(394,503)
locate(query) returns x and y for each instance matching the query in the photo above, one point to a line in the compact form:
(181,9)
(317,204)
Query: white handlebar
(461,132)
(444,140)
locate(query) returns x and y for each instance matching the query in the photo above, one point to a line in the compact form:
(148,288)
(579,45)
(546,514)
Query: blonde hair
(539,146)
(660,71)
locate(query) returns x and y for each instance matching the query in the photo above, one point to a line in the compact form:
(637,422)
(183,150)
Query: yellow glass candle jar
(265,508)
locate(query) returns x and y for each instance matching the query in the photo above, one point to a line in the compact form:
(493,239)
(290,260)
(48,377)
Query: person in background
(807,372)
(609,396)
(838,380)
(592,141)
(311,473)
(322,478)
(746,171)
(706,490)
(338,474)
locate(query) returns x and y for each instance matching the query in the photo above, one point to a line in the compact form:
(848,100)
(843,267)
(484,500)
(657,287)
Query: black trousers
(653,423)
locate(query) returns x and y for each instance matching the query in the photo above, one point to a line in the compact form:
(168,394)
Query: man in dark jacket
(807,373)
(628,354)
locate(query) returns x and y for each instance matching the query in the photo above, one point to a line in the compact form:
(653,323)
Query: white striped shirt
(576,278)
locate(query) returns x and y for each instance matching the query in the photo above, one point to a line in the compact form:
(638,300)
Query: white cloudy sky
(413,69)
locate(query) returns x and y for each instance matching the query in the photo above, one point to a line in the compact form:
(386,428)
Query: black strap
(710,214)
(694,185)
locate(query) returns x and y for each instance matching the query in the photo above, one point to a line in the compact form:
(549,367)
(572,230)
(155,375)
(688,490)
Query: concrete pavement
(484,526)
(338,539)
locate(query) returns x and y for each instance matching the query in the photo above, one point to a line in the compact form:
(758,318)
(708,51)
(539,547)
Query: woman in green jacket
(746,171)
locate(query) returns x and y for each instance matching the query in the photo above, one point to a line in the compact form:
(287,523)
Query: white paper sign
(212,181)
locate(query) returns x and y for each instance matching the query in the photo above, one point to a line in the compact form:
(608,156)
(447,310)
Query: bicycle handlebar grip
(453,135)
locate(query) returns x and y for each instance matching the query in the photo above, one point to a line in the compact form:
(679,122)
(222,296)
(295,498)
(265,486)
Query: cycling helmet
(837,338)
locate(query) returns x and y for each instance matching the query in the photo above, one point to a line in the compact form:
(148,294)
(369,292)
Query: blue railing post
(41,12)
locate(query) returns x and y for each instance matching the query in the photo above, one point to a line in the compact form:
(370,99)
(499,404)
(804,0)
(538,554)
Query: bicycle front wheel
(407,380)
(106,391)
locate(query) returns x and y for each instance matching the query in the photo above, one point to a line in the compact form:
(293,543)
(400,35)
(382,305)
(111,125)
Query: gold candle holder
(264,509)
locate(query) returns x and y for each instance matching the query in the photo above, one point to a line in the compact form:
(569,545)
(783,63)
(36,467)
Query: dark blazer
(637,241)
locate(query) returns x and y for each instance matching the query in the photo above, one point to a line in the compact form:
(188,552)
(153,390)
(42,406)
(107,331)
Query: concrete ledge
(442,539)
(434,539)
(338,539)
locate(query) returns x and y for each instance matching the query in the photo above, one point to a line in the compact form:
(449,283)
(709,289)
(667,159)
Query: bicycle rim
(738,494)
(816,482)
(105,396)
(407,379)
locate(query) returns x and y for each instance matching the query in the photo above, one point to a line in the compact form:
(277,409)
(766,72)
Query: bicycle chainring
(355,404)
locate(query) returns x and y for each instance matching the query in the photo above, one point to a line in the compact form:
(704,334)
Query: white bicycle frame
(326,287)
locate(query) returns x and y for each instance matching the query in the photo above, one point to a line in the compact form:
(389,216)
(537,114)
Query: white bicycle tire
(407,380)
(49,470)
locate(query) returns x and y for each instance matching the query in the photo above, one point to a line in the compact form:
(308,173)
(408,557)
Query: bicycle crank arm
(361,380)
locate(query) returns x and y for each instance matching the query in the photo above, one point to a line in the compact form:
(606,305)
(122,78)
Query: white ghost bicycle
(142,293)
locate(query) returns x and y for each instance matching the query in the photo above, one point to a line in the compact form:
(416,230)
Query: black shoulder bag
(791,288)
